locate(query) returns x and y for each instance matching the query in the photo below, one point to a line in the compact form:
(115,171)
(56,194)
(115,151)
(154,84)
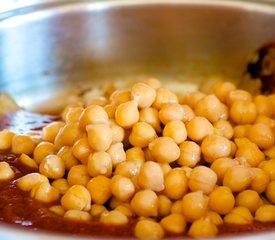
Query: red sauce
(16,207)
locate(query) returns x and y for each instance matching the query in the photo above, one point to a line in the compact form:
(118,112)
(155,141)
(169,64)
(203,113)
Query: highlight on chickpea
(178,163)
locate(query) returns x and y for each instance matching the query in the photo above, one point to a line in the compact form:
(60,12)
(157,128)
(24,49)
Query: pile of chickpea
(180,164)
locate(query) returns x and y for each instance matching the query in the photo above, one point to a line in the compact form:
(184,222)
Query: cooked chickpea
(198,128)
(94,114)
(122,188)
(68,108)
(263,105)
(120,96)
(57,209)
(174,223)
(44,192)
(270,153)
(194,205)
(110,110)
(190,154)
(164,149)
(221,200)
(265,213)
(222,89)
(152,82)
(209,107)
(166,168)
(188,113)
(77,215)
(78,175)
(128,168)
(118,132)
(127,114)
(269,167)
(145,203)
(175,183)
(99,136)
(97,100)
(270,191)
(164,206)
(193,98)
(243,112)
(202,179)
(260,180)
(6,172)
(142,134)
(61,184)
(143,94)
(249,199)
(266,120)
(70,133)
(73,114)
(147,228)
(175,130)
(171,112)
(100,163)
(125,209)
(202,228)
(52,167)
(22,144)
(42,150)
(240,131)
(239,215)
(28,181)
(28,161)
(135,154)
(66,154)
(150,116)
(225,127)
(100,189)
(214,147)
(50,131)
(97,210)
(77,197)
(237,94)
(214,217)
(6,137)
(113,218)
(117,153)
(164,96)
(176,207)
(151,176)
(82,150)
(262,135)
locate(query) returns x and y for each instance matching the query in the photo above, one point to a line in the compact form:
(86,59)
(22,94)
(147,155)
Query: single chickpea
(22,144)
(240,131)
(100,163)
(44,192)
(166,168)
(73,114)
(209,107)
(113,218)
(239,215)
(114,202)
(77,215)
(78,175)
(125,209)
(202,228)
(66,154)
(100,189)
(269,167)
(145,203)
(67,109)
(224,113)
(151,176)
(164,206)
(164,149)
(214,217)
(174,223)
(28,181)
(225,127)
(190,154)
(110,110)
(42,150)
(243,112)
(237,94)
(6,137)
(238,178)
(176,184)
(120,96)
(262,135)
(249,199)
(96,100)
(270,191)
(143,94)
(177,207)
(77,197)
(6,172)
(82,150)
(70,133)
(270,153)
(99,136)
(260,180)
(52,167)
(57,209)
(192,98)
(175,130)
(198,128)
(171,112)
(117,153)
(164,96)
(148,155)
(122,188)
(150,116)
(214,147)
(118,132)
(265,213)
(127,114)
(221,200)
(266,120)
(271,98)
(142,134)
(263,105)
(97,210)
(51,130)
(147,228)
(152,82)
(28,161)
(188,113)
(61,184)
(135,154)
(222,89)
(128,168)
(203,179)
(194,205)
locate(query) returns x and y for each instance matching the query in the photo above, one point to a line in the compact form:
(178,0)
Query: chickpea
(78,175)
(143,94)
(125,209)
(100,189)
(188,113)
(194,205)
(164,96)
(238,178)
(237,94)
(270,191)
(221,200)
(214,147)
(120,96)
(99,136)
(77,197)
(110,109)
(190,154)
(269,167)
(70,133)
(243,112)
(152,82)
(6,137)
(77,215)
(113,218)
(225,127)
(52,167)
(135,154)
(73,114)
(117,153)
(146,228)
(66,154)
(209,107)
(6,172)
(177,207)
(128,168)
(164,206)
(166,168)
(202,179)
(151,176)
(28,161)
(249,199)
(50,131)
(96,100)
(193,98)
(150,116)
(214,217)
(224,112)
(127,114)
(175,130)
(118,132)
(44,192)
(174,223)
(240,131)
(145,203)
(82,150)
(61,184)
(97,210)
(28,181)
(263,105)
(42,150)
(164,150)
(262,135)
(239,215)
(142,134)
(94,114)
(22,144)
(265,213)
(260,180)
(122,188)
(171,112)
(68,108)
(266,120)
(202,228)
(198,128)
(175,183)
(100,163)
(57,209)
(222,89)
